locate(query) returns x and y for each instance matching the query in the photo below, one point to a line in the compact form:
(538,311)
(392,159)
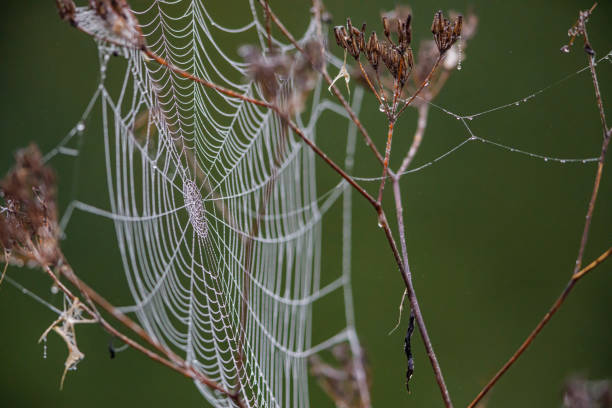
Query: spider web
(216,209)
(215,206)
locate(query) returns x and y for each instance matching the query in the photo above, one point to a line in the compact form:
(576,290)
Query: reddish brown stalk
(553,309)
(417,311)
(175,363)
(416,140)
(423,85)
(367,78)
(386,161)
(268,28)
(414,303)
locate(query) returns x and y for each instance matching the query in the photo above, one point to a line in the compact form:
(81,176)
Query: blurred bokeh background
(492,235)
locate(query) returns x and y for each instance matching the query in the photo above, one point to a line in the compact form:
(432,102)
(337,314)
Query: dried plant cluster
(29,231)
(397,56)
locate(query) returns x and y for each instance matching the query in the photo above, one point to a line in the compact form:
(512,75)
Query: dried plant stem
(416,140)
(577,272)
(386,161)
(423,85)
(414,303)
(369,82)
(172,361)
(553,309)
(268,28)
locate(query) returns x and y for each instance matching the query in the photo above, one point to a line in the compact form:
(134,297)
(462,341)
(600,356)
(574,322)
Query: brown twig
(386,162)
(423,85)
(172,361)
(416,140)
(414,303)
(553,309)
(369,82)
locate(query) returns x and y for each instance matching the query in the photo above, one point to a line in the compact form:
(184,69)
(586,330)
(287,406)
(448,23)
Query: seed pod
(408,29)
(339,36)
(385,22)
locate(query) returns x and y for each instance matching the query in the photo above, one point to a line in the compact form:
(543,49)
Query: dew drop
(44,347)
(427,83)
(379,224)
(54,290)
(563,161)
(524,99)
(469,117)
(546,159)
(458,117)
(565,49)
(381,107)
(80,127)
(584,161)
(516,103)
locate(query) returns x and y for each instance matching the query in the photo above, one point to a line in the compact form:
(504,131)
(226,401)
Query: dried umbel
(29,231)
(445,33)
(397,56)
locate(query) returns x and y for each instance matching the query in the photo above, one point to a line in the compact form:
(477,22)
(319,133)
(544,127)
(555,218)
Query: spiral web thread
(188,171)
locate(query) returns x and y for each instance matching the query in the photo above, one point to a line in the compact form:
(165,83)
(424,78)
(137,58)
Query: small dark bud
(385,22)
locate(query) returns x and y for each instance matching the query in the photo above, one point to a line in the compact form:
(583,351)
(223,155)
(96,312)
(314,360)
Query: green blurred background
(492,235)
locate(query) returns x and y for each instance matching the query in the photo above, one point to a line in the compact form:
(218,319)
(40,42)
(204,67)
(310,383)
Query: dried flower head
(445,33)
(396,56)
(28,222)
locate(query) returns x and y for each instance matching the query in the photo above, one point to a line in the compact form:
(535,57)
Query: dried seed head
(339,36)
(28,225)
(445,34)
(387,31)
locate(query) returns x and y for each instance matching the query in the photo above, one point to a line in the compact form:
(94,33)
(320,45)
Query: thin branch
(369,82)
(268,31)
(553,309)
(173,361)
(386,162)
(423,85)
(414,303)
(416,140)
